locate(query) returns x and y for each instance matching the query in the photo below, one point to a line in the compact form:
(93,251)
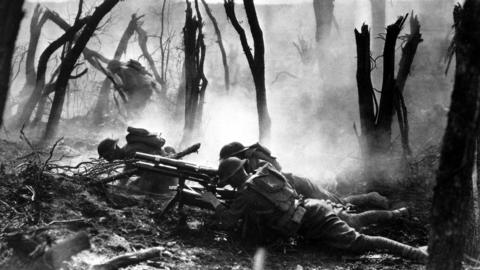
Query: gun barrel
(177,163)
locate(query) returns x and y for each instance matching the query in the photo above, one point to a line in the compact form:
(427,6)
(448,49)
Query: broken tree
(11,15)
(452,201)
(195,80)
(68,64)
(376,119)
(256,61)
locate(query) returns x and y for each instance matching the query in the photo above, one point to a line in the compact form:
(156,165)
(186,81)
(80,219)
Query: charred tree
(39,18)
(256,61)
(454,190)
(38,91)
(323,10)
(220,45)
(102,102)
(386,107)
(68,64)
(11,15)
(408,53)
(376,119)
(195,81)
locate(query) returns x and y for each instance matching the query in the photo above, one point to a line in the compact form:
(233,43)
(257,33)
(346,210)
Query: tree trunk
(195,81)
(42,68)
(68,65)
(366,96)
(256,61)
(323,10)
(102,102)
(408,53)
(453,192)
(386,106)
(36,24)
(11,15)
(376,119)
(220,45)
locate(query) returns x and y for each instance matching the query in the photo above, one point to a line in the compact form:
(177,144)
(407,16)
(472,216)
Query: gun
(205,176)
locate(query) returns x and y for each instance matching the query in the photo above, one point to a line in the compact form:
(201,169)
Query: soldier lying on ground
(267,199)
(140,140)
(256,156)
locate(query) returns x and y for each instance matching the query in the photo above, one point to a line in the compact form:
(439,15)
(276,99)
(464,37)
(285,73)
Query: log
(130,259)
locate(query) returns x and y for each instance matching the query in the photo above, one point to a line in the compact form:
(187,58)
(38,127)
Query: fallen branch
(130,259)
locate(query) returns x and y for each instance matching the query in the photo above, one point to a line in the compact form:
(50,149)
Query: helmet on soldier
(106,148)
(231,149)
(114,65)
(227,168)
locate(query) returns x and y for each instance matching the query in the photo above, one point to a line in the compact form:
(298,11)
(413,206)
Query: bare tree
(452,200)
(142,42)
(220,44)
(11,15)
(323,10)
(376,119)
(195,80)
(255,61)
(68,64)
(38,91)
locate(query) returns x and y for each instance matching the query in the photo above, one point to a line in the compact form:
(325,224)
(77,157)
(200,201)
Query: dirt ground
(45,206)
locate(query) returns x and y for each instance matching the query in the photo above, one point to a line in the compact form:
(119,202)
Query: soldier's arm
(229,216)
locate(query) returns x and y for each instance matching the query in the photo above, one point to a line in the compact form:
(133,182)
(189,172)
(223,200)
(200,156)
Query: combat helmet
(227,168)
(231,149)
(106,147)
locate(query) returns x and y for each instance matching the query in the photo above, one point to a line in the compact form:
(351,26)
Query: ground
(44,205)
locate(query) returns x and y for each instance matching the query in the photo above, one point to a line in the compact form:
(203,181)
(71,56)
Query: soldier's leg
(365,243)
(322,224)
(371,217)
(372,199)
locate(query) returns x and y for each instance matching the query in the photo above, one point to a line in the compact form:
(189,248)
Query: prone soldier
(140,140)
(256,156)
(266,198)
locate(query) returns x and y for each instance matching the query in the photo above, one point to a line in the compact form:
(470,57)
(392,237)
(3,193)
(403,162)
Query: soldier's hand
(210,198)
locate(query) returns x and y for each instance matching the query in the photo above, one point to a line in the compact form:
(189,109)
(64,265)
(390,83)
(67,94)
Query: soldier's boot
(372,217)
(366,243)
(368,200)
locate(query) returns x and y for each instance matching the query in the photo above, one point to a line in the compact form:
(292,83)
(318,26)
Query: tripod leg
(169,206)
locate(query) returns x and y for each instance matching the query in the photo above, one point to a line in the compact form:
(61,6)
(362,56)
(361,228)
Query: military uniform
(268,198)
(258,155)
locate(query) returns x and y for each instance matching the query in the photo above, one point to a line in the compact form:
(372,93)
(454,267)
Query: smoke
(313,104)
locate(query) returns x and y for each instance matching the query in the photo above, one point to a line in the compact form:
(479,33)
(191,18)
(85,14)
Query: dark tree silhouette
(195,81)
(376,119)
(38,91)
(11,15)
(220,45)
(452,200)
(68,64)
(256,61)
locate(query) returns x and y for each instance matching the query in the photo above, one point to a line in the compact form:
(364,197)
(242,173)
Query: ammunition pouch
(289,223)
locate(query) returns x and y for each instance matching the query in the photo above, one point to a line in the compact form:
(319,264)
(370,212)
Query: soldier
(134,83)
(139,140)
(256,156)
(267,198)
